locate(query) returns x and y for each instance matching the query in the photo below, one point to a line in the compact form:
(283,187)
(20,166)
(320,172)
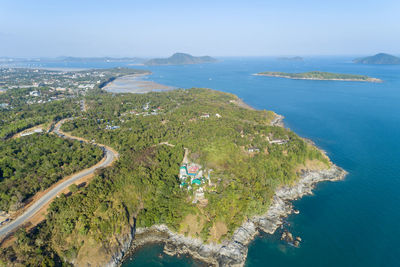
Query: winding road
(109,156)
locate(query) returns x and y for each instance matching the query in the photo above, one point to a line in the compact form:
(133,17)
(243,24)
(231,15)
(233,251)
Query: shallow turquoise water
(347,223)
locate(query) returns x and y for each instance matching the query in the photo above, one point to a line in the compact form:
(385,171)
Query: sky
(149,28)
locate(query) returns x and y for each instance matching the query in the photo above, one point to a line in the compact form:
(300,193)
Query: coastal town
(39,86)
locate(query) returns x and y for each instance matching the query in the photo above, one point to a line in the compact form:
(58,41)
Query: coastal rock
(277,121)
(287,236)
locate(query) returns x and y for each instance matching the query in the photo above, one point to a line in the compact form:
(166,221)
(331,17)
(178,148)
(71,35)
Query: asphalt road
(35,207)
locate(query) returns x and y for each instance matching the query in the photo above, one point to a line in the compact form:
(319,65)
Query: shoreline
(232,252)
(278,121)
(371,80)
(134,84)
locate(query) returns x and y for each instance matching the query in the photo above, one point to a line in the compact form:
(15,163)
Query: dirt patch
(218,230)
(312,165)
(192,225)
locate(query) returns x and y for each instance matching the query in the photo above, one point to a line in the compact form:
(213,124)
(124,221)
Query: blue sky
(218,28)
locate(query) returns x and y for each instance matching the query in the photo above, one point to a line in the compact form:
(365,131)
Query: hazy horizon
(224,29)
(215,56)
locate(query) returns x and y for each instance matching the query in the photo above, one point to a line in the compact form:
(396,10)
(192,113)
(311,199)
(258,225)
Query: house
(253,150)
(278,141)
(34,93)
(183,172)
(218,116)
(205,116)
(109,127)
(196,181)
(192,170)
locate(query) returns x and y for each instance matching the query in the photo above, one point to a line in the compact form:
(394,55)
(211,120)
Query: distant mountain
(380,58)
(290,58)
(180,59)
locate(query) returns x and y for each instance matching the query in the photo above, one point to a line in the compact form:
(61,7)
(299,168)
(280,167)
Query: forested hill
(242,159)
(379,59)
(180,59)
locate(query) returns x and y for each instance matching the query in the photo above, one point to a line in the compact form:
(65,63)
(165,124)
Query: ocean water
(347,223)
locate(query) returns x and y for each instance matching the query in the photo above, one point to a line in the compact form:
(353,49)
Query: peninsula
(180,59)
(197,170)
(378,59)
(320,76)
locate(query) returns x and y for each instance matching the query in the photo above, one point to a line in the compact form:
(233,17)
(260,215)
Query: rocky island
(180,59)
(320,76)
(378,59)
(198,170)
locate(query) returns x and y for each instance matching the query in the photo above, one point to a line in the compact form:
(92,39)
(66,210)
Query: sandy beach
(135,84)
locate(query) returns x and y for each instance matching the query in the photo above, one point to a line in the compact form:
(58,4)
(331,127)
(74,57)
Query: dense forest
(142,187)
(33,163)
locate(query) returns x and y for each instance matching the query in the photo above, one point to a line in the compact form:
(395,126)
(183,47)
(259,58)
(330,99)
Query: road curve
(35,207)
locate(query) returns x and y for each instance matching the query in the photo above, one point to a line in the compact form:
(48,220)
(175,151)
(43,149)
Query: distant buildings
(111,127)
(253,150)
(4,105)
(34,93)
(277,141)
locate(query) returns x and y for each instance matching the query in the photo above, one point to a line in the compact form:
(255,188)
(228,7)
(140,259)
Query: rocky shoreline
(278,121)
(231,252)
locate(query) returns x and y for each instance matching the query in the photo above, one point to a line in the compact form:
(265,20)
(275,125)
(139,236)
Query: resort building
(191,174)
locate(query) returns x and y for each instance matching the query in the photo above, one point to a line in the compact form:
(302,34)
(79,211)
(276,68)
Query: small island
(180,59)
(297,58)
(320,76)
(378,59)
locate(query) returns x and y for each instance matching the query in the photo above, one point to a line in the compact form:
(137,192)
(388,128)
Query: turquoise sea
(354,222)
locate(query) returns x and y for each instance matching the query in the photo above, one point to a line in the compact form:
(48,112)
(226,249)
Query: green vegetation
(33,163)
(318,75)
(380,59)
(32,249)
(142,187)
(22,116)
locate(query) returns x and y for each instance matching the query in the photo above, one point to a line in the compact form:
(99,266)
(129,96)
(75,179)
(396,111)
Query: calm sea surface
(354,222)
